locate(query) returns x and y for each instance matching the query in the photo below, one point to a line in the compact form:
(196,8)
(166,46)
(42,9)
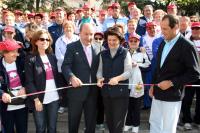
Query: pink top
(49,72)
(14,79)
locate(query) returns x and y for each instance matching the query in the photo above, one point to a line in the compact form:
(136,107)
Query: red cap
(79,10)
(195,24)
(110,6)
(5,11)
(52,15)
(31,15)
(18,12)
(9,45)
(116,4)
(148,24)
(134,35)
(102,12)
(99,33)
(86,6)
(131,4)
(171,6)
(39,14)
(9,29)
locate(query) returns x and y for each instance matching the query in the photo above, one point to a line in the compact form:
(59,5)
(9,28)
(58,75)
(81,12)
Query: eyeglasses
(96,38)
(44,39)
(196,28)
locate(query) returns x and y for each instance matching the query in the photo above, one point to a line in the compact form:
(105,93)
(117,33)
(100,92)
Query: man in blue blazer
(177,65)
(79,67)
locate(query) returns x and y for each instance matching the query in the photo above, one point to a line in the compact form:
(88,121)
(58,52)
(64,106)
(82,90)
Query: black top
(112,67)
(36,76)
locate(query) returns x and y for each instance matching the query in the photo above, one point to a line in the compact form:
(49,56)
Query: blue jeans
(47,118)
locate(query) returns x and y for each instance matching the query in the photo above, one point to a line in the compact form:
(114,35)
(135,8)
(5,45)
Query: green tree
(186,7)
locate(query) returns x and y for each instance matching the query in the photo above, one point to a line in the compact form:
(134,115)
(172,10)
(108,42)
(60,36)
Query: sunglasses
(96,38)
(44,39)
(196,28)
(10,33)
(135,41)
(33,27)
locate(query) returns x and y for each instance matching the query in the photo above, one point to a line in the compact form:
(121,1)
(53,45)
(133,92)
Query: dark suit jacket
(36,76)
(181,66)
(75,63)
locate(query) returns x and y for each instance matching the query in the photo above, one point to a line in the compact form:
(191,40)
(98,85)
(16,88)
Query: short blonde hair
(67,22)
(134,21)
(159,11)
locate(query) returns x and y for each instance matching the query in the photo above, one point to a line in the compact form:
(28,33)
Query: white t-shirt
(197,44)
(147,44)
(50,82)
(15,83)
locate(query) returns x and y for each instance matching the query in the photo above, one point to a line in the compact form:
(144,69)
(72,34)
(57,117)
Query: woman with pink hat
(12,80)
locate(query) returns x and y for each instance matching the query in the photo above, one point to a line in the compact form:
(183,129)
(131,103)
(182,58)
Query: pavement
(62,124)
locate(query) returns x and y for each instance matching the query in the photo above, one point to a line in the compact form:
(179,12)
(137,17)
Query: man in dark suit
(79,67)
(177,65)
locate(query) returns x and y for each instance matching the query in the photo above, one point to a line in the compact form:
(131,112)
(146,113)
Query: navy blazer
(181,66)
(36,76)
(75,63)
(141,26)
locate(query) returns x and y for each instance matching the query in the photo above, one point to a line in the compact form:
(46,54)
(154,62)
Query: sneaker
(187,126)
(100,127)
(127,128)
(135,129)
(61,110)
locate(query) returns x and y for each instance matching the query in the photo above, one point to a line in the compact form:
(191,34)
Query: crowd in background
(45,51)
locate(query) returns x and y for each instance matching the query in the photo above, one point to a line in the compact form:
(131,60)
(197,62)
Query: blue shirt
(167,48)
(109,22)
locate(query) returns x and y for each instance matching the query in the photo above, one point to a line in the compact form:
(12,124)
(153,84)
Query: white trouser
(164,116)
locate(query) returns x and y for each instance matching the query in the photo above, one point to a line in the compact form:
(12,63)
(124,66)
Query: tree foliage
(187,7)
(19,4)
(33,5)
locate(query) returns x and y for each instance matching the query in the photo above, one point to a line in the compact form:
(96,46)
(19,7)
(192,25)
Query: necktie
(88,55)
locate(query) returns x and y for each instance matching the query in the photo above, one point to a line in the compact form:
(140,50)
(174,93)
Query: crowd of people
(115,64)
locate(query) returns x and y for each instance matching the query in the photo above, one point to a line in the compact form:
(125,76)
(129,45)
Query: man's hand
(113,81)
(76,82)
(166,84)
(100,82)
(6,98)
(151,92)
